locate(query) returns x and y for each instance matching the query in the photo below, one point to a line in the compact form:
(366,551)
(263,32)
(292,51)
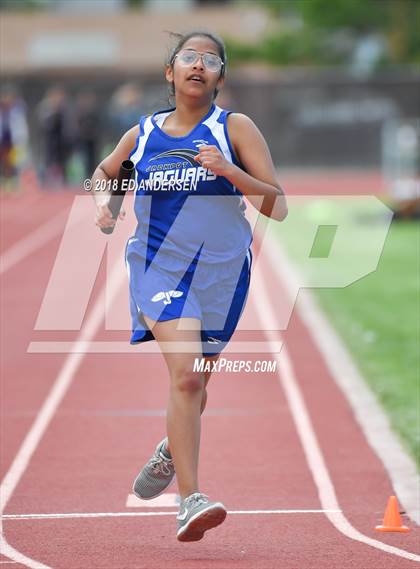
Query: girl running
(189,261)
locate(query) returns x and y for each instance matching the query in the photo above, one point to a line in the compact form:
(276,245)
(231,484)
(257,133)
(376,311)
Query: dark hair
(182,40)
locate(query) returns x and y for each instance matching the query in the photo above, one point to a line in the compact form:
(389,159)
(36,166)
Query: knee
(188,381)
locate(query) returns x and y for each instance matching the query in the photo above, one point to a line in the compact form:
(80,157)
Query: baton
(117,196)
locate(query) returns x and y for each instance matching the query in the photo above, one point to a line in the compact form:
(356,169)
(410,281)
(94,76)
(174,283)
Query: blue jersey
(185,211)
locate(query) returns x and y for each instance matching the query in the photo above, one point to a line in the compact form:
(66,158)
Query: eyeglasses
(188,57)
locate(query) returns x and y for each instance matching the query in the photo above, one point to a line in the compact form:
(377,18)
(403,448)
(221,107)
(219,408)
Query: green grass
(378,315)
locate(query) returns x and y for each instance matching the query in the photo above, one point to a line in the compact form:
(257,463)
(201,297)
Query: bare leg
(207,376)
(185,400)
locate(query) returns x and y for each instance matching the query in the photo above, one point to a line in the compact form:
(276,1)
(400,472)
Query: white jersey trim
(218,131)
(141,145)
(161,117)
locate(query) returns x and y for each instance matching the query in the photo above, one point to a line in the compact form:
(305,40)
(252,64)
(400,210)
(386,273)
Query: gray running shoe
(197,515)
(156,475)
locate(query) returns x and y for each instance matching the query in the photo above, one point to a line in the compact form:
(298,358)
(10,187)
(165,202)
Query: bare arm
(108,169)
(260,177)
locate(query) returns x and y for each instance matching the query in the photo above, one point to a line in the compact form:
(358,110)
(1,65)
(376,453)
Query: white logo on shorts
(211,340)
(166,296)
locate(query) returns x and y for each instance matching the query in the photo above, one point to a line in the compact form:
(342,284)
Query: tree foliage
(330,29)
(359,15)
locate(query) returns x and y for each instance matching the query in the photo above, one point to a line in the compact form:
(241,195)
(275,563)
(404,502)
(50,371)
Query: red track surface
(113,414)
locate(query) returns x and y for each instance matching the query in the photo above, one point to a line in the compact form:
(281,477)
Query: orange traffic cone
(392,518)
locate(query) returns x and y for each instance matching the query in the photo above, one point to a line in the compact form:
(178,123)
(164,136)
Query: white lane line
(49,407)
(148,514)
(167,500)
(309,441)
(58,347)
(36,239)
(373,421)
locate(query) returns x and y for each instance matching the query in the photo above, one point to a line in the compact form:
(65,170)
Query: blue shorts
(213,293)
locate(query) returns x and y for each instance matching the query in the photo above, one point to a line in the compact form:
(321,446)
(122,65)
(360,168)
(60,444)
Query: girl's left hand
(211,158)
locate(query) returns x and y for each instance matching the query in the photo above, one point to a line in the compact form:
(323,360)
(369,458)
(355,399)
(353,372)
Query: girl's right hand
(103,216)
(109,169)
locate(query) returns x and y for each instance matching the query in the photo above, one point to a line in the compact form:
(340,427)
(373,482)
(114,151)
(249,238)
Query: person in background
(57,136)
(13,136)
(124,109)
(88,130)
